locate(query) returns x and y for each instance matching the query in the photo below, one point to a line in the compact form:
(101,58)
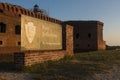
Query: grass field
(77,67)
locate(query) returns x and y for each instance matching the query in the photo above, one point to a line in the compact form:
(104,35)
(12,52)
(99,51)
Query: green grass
(78,67)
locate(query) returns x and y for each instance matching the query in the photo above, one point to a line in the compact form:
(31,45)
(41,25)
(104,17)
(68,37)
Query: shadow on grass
(62,70)
(7,67)
(81,66)
(55,71)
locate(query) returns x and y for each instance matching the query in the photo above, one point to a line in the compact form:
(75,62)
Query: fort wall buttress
(101,42)
(69,39)
(87,35)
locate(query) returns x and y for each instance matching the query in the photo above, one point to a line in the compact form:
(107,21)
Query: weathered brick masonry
(88,35)
(76,36)
(34,57)
(10,15)
(10,39)
(29,58)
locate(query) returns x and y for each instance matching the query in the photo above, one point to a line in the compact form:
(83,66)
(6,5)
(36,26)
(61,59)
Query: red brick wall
(10,15)
(9,38)
(69,40)
(101,42)
(32,57)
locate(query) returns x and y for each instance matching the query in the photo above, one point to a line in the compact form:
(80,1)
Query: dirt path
(15,76)
(113,74)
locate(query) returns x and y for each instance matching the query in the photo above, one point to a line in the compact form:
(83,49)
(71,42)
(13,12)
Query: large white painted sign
(30,31)
(38,34)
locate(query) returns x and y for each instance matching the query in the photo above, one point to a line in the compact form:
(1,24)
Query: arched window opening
(77,45)
(12,9)
(2,28)
(3,6)
(1,10)
(25,12)
(1,42)
(8,7)
(21,11)
(16,9)
(88,45)
(89,35)
(77,36)
(19,43)
(29,13)
(32,14)
(18,29)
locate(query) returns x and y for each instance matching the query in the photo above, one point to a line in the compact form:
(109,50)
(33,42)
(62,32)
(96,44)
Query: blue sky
(107,11)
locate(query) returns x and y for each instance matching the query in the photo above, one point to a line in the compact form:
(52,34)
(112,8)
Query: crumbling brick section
(19,59)
(33,57)
(69,40)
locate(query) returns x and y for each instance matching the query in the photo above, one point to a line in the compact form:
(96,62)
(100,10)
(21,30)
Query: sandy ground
(15,76)
(113,74)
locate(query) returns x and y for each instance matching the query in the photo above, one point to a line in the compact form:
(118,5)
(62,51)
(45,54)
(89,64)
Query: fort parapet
(16,11)
(88,35)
